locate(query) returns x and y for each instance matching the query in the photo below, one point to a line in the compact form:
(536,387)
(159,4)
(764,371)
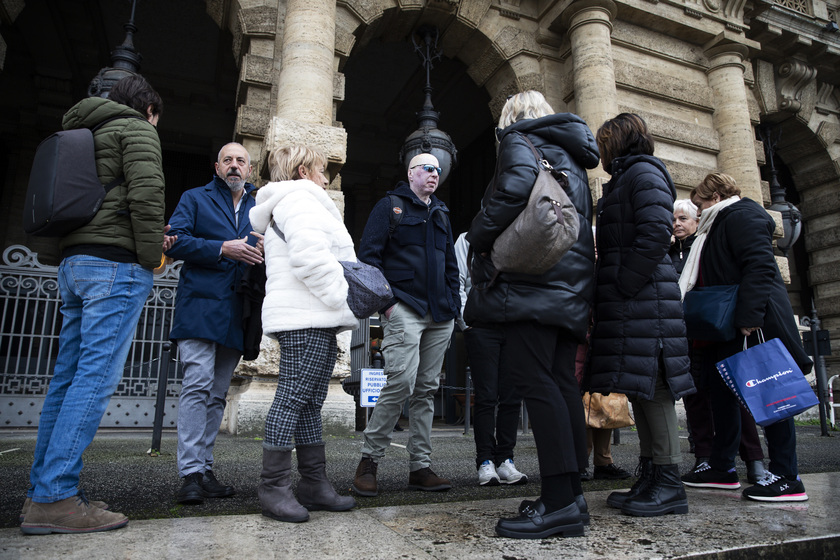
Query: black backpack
(64,191)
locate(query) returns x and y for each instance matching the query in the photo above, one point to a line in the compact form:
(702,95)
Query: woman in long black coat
(638,344)
(738,250)
(541,318)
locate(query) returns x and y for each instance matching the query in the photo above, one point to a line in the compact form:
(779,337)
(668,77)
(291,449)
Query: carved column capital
(588,11)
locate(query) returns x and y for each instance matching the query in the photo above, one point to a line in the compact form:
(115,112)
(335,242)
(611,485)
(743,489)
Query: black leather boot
(665,494)
(314,491)
(644,472)
(190,493)
(275,489)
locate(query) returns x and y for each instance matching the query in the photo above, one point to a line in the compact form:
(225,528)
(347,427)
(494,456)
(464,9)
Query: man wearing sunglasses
(415,252)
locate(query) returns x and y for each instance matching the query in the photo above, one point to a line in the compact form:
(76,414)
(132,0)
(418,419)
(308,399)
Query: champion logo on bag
(755,382)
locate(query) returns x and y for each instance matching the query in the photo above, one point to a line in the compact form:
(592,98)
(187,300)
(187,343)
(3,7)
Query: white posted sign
(371,384)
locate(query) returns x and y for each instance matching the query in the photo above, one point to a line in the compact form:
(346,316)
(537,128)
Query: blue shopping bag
(767,381)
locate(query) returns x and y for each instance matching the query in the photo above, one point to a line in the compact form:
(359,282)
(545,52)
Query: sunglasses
(428,168)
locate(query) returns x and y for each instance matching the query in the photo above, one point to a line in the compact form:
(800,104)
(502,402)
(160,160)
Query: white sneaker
(487,474)
(509,475)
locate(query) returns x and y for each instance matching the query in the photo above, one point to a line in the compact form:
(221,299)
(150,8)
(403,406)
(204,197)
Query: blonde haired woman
(540,318)
(305,307)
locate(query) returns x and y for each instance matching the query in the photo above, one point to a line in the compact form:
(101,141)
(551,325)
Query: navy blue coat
(638,312)
(561,296)
(207,304)
(418,259)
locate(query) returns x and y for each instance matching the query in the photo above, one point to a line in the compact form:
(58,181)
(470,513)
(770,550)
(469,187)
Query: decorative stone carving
(828,101)
(794,76)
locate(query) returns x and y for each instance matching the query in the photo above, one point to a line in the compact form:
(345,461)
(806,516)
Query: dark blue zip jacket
(418,258)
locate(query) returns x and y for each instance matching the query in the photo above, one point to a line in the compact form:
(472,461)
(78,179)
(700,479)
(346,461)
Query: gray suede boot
(314,491)
(275,489)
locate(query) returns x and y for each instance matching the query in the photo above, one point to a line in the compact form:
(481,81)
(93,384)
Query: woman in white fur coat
(305,307)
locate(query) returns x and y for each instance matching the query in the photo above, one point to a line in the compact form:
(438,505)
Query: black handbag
(709,313)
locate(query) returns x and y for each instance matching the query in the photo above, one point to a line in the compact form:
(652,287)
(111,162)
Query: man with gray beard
(211,225)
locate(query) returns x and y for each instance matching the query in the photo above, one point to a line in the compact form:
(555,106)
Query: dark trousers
(497,404)
(698,410)
(701,426)
(542,360)
(781,436)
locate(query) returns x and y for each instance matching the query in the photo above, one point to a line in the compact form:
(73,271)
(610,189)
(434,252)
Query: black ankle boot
(644,472)
(665,494)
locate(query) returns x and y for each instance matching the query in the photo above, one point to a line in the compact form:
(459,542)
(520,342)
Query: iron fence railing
(30,322)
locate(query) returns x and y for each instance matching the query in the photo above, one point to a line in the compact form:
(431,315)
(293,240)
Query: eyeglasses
(428,168)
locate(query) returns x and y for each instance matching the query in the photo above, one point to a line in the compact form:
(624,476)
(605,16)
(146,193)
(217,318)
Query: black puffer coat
(739,250)
(679,252)
(562,296)
(638,313)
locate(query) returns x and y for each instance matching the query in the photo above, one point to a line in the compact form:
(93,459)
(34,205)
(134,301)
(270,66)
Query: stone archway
(807,113)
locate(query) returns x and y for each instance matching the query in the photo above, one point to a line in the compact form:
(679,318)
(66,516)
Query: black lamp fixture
(125,61)
(428,138)
(831,27)
(791,216)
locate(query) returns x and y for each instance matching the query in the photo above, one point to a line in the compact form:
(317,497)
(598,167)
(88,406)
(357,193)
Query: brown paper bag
(607,411)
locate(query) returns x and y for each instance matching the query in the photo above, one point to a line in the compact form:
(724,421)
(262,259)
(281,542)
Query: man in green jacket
(104,279)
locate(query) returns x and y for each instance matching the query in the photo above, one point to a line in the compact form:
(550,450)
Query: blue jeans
(101,304)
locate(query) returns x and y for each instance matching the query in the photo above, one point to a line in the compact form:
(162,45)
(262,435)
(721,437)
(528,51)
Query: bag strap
(277,230)
(117,181)
(760,338)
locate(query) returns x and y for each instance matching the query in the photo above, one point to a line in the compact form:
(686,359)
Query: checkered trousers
(307,359)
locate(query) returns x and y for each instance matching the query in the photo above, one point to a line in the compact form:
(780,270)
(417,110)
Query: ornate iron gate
(30,322)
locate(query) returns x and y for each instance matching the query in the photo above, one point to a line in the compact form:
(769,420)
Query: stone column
(737,155)
(305,85)
(589,24)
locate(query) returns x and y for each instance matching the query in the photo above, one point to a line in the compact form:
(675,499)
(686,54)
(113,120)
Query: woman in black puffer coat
(638,344)
(541,318)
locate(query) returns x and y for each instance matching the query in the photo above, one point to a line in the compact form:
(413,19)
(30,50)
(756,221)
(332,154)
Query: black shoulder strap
(117,181)
(395,217)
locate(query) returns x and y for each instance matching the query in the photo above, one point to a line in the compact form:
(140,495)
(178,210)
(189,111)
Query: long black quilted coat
(561,296)
(638,313)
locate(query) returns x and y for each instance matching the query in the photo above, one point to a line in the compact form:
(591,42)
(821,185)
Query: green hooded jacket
(131,216)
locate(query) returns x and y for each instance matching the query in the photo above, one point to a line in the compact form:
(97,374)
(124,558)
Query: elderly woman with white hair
(685,227)
(698,407)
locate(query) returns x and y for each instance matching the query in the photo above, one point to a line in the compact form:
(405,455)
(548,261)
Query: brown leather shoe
(71,515)
(28,502)
(425,479)
(365,482)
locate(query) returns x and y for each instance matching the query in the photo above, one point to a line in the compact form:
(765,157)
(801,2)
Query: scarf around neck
(691,270)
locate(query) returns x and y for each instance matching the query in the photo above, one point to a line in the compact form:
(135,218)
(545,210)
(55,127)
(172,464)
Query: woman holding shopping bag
(734,247)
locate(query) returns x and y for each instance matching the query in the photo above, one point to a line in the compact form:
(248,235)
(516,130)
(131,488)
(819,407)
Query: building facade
(707,76)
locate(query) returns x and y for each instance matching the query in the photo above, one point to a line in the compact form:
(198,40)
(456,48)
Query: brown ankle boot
(71,515)
(426,479)
(365,482)
(27,503)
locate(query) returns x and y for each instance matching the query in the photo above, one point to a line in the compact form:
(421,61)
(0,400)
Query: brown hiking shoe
(71,515)
(365,482)
(426,479)
(28,502)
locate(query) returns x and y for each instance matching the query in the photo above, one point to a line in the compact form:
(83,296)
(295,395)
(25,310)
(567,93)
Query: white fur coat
(306,286)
